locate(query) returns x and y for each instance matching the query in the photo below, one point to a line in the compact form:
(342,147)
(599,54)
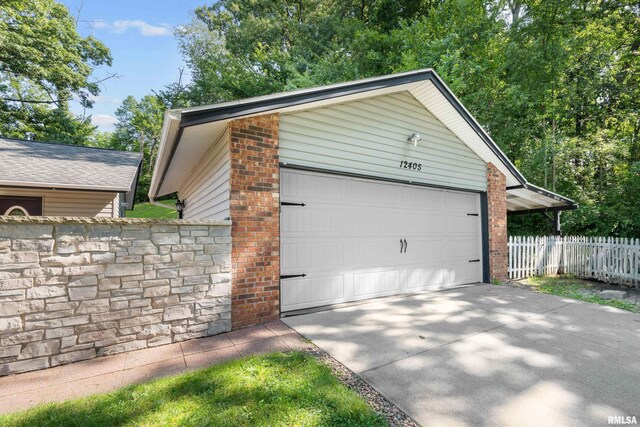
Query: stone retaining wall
(76,288)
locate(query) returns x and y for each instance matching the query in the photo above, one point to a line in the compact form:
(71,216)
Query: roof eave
(58,186)
(543,210)
(171,132)
(251,106)
(177,120)
(130,195)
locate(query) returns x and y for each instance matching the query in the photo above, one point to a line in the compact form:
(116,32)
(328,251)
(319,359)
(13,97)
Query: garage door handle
(291,204)
(291,276)
(401,245)
(405,246)
(474,260)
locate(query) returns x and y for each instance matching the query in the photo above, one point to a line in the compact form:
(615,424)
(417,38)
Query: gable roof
(63,166)
(200,125)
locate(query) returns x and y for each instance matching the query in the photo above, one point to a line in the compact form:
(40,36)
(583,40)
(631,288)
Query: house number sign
(411,165)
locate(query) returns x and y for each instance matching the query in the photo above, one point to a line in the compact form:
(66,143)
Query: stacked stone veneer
(74,289)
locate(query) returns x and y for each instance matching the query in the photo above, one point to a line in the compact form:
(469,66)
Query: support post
(557,225)
(558,232)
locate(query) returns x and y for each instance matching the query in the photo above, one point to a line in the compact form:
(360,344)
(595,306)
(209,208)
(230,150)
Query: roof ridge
(69,145)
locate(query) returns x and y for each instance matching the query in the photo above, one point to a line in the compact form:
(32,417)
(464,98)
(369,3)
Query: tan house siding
(206,190)
(69,203)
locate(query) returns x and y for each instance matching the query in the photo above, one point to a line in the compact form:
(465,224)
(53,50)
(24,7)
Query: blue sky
(145,53)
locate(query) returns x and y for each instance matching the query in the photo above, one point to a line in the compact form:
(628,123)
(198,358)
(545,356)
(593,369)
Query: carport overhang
(528,198)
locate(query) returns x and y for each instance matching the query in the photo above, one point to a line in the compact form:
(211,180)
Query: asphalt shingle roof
(43,164)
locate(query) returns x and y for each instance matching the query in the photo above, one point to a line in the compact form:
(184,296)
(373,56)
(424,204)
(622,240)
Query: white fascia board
(170,130)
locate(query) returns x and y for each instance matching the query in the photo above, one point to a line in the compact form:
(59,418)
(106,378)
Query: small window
(20,206)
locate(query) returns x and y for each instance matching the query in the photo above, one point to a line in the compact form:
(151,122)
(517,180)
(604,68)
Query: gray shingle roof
(43,164)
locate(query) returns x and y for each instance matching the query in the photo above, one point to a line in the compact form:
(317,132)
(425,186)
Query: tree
(556,83)
(43,63)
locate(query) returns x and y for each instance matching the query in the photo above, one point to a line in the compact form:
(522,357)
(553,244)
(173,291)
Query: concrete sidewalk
(104,374)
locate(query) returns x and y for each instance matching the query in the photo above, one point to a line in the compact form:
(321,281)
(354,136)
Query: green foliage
(275,389)
(43,63)
(556,83)
(571,287)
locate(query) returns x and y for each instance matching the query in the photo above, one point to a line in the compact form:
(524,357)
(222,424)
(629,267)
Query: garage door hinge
(472,214)
(474,260)
(291,276)
(291,204)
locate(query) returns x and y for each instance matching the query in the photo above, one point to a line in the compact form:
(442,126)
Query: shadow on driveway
(489,355)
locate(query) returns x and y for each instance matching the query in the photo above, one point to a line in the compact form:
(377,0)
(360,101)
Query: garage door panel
(461,201)
(464,273)
(311,256)
(376,283)
(423,249)
(314,220)
(372,222)
(461,249)
(298,255)
(461,224)
(306,221)
(425,277)
(347,239)
(371,194)
(423,223)
(297,187)
(309,292)
(373,253)
(415,198)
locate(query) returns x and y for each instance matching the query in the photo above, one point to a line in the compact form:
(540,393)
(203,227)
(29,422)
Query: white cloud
(102,99)
(100,25)
(143,27)
(104,122)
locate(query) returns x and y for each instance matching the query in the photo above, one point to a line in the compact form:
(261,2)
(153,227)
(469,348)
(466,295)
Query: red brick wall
(255,216)
(497,206)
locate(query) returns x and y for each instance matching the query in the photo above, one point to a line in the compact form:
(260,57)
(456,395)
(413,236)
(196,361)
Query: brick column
(255,216)
(497,207)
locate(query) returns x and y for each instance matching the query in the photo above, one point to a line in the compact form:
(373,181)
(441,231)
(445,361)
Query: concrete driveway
(489,355)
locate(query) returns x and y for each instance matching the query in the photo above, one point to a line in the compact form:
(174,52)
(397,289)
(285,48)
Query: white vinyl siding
(369,137)
(206,190)
(69,203)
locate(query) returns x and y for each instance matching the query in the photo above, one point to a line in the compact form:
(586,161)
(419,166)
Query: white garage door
(356,239)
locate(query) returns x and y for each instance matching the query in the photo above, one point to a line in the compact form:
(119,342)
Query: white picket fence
(609,259)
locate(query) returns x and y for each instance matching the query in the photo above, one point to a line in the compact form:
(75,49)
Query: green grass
(148,210)
(571,287)
(290,389)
